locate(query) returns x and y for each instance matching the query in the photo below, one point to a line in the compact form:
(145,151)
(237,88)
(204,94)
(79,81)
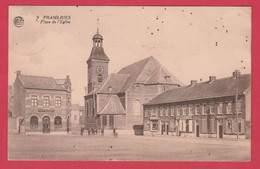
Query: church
(115,100)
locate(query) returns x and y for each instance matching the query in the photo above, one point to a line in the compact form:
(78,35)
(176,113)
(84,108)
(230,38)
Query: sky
(193,43)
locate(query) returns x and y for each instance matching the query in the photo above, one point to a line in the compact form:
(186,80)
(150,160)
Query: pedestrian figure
(114,132)
(96,131)
(89,131)
(102,132)
(82,130)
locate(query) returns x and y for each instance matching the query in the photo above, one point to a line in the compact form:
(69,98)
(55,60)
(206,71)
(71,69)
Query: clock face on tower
(100,69)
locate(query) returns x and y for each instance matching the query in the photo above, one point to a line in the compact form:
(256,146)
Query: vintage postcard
(129,83)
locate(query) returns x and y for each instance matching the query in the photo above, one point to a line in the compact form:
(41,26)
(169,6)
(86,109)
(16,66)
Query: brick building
(206,109)
(42,104)
(116,100)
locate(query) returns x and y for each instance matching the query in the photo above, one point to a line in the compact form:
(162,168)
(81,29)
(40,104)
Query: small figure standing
(114,132)
(102,132)
(82,130)
(89,131)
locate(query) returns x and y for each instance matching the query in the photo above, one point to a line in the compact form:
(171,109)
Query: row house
(42,104)
(216,108)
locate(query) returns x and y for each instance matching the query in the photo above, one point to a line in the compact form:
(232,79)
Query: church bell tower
(97,64)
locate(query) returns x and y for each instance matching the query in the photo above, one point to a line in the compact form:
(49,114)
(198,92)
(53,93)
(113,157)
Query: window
(154,125)
(204,109)
(184,111)
(137,108)
(68,101)
(211,110)
(161,111)
(46,101)
(229,108)
(75,117)
(153,112)
(196,110)
(178,111)
(145,112)
(220,107)
(172,111)
(57,122)
(239,103)
(190,110)
(100,78)
(34,100)
(34,122)
(58,101)
(166,111)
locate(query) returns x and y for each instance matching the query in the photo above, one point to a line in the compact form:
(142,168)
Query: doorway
(197,131)
(220,132)
(46,124)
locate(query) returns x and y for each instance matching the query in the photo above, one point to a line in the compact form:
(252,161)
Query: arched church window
(100,78)
(34,122)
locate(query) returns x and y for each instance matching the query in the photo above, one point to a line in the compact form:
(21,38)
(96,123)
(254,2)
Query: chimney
(18,73)
(212,78)
(236,74)
(193,82)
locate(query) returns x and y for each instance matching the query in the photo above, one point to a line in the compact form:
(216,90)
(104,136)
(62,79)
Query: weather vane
(97,24)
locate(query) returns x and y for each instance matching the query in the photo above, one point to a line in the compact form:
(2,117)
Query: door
(167,129)
(162,129)
(197,131)
(46,124)
(220,132)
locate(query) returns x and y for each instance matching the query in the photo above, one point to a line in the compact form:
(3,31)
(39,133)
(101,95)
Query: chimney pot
(212,78)
(236,74)
(18,72)
(193,82)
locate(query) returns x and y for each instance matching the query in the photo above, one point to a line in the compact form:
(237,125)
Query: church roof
(217,88)
(98,53)
(39,82)
(113,83)
(147,71)
(112,107)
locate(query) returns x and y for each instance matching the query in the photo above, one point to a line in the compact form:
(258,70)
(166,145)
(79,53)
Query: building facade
(115,100)
(42,104)
(10,101)
(218,108)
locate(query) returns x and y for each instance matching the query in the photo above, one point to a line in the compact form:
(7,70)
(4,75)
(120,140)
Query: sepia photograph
(129,83)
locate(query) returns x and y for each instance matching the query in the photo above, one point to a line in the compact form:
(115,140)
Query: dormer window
(167,78)
(110,88)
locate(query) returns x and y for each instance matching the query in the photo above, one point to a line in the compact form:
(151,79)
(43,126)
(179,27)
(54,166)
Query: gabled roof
(217,88)
(142,72)
(115,81)
(39,82)
(112,107)
(162,76)
(98,53)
